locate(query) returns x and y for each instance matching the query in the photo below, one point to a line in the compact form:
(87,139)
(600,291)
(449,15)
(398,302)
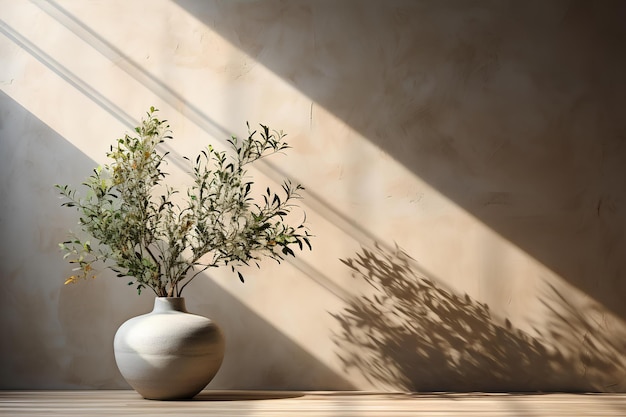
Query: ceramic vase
(169,353)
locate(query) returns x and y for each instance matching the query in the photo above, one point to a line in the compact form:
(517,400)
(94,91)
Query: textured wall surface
(464,164)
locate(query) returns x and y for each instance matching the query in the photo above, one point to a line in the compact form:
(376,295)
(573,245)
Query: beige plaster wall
(464,164)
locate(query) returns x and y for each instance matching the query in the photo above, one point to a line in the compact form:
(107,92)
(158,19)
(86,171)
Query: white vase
(169,353)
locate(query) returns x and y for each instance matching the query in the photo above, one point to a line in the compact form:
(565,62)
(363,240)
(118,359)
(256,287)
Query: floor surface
(335,404)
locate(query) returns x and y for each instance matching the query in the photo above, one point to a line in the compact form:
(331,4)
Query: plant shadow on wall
(595,345)
(409,333)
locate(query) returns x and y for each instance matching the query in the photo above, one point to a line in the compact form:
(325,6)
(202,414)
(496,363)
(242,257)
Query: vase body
(168,353)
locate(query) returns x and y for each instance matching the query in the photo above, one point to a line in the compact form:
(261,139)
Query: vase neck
(165,304)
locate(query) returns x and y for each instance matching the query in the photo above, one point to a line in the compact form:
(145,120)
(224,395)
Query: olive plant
(141,229)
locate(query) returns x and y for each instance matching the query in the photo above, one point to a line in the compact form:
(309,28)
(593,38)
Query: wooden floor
(335,404)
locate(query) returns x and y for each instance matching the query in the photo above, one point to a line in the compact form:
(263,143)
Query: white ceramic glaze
(169,353)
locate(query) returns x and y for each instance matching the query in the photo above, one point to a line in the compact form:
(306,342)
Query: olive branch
(142,230)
